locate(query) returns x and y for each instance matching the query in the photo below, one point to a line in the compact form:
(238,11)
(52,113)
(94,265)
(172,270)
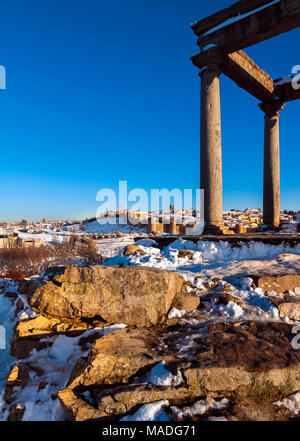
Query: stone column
(271,190)
(211,153)
(173,227)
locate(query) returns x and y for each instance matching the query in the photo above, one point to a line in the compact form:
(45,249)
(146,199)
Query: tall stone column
(271,190)
(210,151)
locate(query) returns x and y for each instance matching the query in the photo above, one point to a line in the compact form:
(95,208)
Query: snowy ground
(54,365)
(233,265)
(7,320)
(210,259)
(112,247)
(218,259)
(47,236)
(106,247)
(57,362)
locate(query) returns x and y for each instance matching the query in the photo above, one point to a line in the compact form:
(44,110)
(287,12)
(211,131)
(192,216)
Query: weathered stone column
(271,191)
(173,227)
(211,152)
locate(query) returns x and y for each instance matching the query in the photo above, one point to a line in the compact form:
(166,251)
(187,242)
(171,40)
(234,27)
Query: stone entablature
(221,42)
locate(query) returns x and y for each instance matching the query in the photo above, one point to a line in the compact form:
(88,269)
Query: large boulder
(136,296)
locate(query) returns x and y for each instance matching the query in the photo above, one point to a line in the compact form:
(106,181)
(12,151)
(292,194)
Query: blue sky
(101,91)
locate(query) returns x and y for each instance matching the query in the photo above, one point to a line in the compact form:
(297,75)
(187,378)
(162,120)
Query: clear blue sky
(100,91)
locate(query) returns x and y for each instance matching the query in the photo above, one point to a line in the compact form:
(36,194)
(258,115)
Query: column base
(271,227)
(217,230)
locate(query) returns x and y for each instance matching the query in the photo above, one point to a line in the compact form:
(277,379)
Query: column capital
(210,68)
(210,57)
(272,108)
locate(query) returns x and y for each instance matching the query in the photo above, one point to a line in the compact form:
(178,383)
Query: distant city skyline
(99,92)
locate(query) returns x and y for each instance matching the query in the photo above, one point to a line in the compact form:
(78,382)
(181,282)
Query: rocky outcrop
(30,334)
(132,249)
(114,358)
(243,361)
(186,302)
(76,409)
(186,253)
(28,287)
(224,298)
(18,376)
(290,309)
(136,296)
(279,284)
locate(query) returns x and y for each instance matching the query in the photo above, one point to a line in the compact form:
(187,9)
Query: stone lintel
(241,69)
(240,7)
(286,92)
(261,25)
(248,75)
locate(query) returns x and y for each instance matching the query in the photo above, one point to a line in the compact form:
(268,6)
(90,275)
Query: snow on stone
(209,46)
(239,17)
(256,297)
(27,311)
(230,310)
(150,412)
(186,345)
(220,259)
(146,242)
(200,408)
(111,247)
(284,80)
(292,403)
(161,376)
(290,227)
(174,313)
(56,362)
(214,258)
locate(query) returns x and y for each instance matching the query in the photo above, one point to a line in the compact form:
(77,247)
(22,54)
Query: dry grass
(17,263)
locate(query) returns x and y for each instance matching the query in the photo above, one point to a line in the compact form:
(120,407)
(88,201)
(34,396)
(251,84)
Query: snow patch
(230,310)
(56,363)
(150,412)
(146,242)
(200,408)
(292,403)
(160,376)
(174,313)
